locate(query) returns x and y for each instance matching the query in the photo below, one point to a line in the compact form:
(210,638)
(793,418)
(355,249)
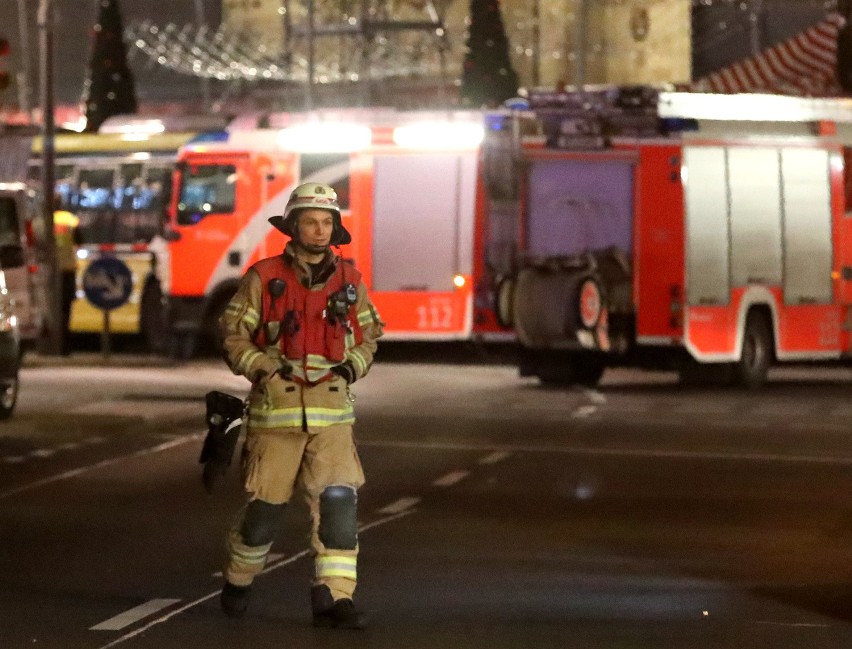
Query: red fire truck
(697,232)
(407,184)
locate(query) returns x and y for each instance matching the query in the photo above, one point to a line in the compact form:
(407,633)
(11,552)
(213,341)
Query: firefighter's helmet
(314,195)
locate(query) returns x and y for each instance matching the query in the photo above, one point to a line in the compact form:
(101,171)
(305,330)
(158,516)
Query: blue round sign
(107,283)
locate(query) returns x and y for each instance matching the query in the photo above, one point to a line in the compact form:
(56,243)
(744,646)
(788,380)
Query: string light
(383,50)
(228,55)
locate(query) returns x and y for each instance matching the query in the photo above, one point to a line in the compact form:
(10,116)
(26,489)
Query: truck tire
(8,395)
(588,372)
(152,319)
(503,298)
(576,370)
(751,370)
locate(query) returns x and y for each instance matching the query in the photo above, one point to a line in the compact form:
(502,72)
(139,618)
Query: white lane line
(70,446)
(100,465)
(494,458)
(809,625)
(133,615)
(584,411)
(216,592)
(43,452)
(14,459)
(594,396)
(451,478)
(648,453)
(399,506)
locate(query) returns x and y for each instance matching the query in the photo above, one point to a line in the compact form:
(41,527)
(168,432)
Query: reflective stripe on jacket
(296,317)
(280,403)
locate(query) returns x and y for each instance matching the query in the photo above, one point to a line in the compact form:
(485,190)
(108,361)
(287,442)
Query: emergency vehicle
(407,184)
(680,230)
(118,183)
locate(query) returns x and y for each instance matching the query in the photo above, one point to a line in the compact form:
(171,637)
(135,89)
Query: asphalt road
(497,513)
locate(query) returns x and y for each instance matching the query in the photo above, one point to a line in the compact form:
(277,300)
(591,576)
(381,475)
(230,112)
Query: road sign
(107,283)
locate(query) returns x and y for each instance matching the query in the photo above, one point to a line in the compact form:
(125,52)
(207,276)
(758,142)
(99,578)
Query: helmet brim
(279,222)
(340,236)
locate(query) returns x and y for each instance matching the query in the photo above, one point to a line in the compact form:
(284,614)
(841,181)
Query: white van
(21,259)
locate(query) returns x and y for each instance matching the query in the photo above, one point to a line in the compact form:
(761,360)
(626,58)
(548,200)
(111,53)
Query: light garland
(229,55)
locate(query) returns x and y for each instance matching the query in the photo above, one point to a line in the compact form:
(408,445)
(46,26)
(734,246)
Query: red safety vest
(305,329)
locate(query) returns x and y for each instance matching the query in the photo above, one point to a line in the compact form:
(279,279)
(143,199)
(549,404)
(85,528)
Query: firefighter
(302,329)
(66,235)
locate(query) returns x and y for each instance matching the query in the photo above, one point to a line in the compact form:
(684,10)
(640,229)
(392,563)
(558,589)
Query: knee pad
(260,524)
(338,526)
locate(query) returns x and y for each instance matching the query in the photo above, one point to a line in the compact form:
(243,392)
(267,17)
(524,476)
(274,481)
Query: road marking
(70,446)
(14,459)
(613,452)
(451,478)
(399,506)
(133,615)
(584,411)
(216,592)
(73,473)
(594,396)
(495,457)
(814,625)
(43,452)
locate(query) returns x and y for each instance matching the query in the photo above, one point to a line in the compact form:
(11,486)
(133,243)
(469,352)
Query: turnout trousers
(325,463)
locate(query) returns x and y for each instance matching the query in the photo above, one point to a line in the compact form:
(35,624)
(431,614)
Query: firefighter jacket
(275,342)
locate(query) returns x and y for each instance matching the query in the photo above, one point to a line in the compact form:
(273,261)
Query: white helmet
(317,196)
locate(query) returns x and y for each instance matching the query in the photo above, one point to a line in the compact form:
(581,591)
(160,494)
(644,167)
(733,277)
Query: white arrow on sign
(111,288)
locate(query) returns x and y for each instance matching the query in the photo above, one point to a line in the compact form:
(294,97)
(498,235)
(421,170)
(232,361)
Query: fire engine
(698,232)
(407,184)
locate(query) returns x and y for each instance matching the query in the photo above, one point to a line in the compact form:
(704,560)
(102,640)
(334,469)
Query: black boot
(330,614)
(234,599)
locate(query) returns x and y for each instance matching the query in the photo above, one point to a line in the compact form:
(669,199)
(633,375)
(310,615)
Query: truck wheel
(751,370)
(503,296)
(152,321)
(581,370)
(588,372)
(8,396)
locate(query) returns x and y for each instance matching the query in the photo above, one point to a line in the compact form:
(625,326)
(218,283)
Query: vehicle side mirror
(11,256)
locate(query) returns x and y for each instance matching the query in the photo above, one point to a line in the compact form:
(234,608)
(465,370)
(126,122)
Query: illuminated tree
(109,88)
(487,74)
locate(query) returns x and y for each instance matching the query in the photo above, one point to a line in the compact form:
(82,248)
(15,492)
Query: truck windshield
(205,190)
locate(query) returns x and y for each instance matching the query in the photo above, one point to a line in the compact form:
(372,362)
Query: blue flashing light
(517,103)
(210,136)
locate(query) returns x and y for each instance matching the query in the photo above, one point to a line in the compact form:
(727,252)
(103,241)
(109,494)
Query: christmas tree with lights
(487,74)
(109,88)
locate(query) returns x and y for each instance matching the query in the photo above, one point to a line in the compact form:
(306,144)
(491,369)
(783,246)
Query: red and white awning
(802,65)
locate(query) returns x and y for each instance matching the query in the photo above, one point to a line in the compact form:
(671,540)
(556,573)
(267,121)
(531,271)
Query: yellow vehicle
(118,183)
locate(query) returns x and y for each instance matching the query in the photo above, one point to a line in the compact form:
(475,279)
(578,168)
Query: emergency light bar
(139,126)
(753,107)
(439,135)
(324,137)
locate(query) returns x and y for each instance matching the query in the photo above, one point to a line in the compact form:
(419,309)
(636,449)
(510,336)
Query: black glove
(346,371)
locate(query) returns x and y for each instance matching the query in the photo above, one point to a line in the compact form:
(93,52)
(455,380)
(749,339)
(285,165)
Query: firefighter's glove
(346,371)
(263,376)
